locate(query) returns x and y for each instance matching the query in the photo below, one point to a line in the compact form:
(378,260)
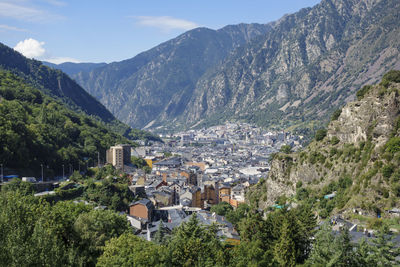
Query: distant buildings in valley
(194,170)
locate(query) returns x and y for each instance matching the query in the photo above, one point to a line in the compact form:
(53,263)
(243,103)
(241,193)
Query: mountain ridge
(72,68)
(169,71)
(53,82)
(291,73)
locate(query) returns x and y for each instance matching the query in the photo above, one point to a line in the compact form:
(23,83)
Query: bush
(286,149)
(333,152)
(393,145)
(302,193)
(320,134)
(336,114)
(361,93)
(222,208)
(391,76)
(387,171)
(396,189)
(335,140)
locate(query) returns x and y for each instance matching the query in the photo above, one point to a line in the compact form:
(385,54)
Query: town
(194,170)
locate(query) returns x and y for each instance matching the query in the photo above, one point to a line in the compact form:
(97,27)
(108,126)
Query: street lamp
(2,172)
(41,165)
(63,172)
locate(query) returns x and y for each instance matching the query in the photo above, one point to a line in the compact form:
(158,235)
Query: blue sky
(106,31)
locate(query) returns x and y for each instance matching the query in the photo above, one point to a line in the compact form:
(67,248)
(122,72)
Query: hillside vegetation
(37,129)
(357,157)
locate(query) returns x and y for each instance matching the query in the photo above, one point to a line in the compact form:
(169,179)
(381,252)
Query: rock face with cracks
(362,145)
(287,73)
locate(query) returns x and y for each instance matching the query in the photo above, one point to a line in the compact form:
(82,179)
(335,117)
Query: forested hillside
(356,159)
(37,129)
(53,82)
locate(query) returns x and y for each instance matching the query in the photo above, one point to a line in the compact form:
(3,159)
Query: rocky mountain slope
(157,84)
(287,73)
(357,158)
(310,63)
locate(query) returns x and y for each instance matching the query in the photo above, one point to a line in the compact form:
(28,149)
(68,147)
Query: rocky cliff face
(361,153)
(287,73)
(155,86)
(310,63)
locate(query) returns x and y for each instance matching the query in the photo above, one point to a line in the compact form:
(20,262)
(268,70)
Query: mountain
(59,86)
(53,82)
(309,64)
(356,159)
(157,84)
(290,73)
(37,129)
(71,68)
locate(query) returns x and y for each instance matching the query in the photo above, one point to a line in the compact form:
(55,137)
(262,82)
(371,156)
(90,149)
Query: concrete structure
(119,155)
(225,193)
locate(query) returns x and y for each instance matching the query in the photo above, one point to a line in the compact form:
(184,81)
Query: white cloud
(165,23)
(31,48)
(11,28)
(59,60)
(26,13)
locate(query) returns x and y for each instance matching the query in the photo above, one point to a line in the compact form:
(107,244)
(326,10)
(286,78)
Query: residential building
(143,209)
(119,155)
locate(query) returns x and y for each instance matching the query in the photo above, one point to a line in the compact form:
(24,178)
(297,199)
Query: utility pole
(41,165)
(2,177)
(98,159)
(63,172)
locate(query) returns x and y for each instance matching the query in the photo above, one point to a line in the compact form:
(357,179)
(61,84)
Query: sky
(107,31)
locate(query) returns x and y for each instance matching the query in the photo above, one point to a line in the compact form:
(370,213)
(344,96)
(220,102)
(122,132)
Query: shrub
(336,114)
(286,149)
(299,184)
(396,189)
(393,145)
(320,134)
(361,93)
(333,152)
(387,171)
(335,140)
(391,76)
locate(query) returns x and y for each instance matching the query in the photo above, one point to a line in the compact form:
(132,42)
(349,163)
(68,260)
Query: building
(209,195)
(119,155)
(173,162)
(225,193)
(143,209)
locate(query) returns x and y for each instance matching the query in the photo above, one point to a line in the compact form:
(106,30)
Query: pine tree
(385,251)
(323,247)
(285,252)
(160,236)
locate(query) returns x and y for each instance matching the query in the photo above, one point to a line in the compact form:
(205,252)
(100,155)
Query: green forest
(35,231)
(36,129)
